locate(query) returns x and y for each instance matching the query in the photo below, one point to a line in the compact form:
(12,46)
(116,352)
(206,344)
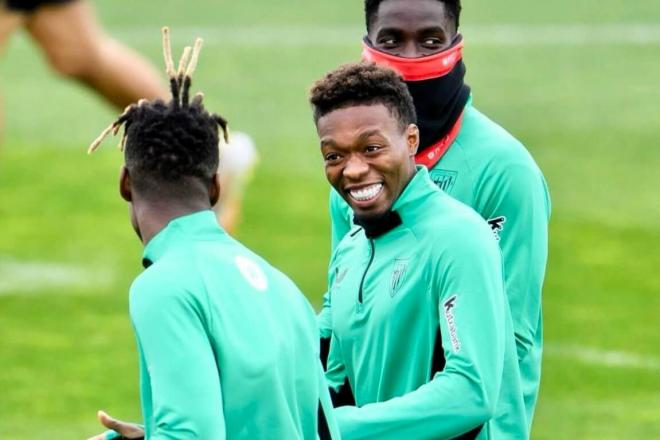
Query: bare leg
(77,47)
(9,21)
(237,162)
(228,212)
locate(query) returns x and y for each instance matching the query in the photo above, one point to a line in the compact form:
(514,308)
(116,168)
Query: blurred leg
(77,47)
(228,212)
(9,21)
(237,162)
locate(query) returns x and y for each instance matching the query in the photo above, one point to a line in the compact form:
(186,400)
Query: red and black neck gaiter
(439,94)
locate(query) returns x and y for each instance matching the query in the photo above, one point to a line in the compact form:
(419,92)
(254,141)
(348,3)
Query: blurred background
(577,82)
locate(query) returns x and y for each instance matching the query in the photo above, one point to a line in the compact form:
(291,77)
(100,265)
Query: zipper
(364,275)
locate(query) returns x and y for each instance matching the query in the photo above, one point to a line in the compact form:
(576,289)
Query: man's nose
(356,168)
(410,50)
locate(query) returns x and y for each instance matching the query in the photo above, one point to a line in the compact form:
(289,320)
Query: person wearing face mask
(468,156)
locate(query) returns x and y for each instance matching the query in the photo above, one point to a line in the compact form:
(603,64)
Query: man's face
(412,28)
(368,158)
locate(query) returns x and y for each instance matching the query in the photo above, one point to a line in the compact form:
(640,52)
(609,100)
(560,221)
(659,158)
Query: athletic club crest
(444,179)
(398,272)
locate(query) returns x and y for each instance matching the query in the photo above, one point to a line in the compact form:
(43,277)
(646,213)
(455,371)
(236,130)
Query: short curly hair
(363,83)
(453,8)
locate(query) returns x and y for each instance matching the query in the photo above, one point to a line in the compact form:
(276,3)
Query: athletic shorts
(30,5)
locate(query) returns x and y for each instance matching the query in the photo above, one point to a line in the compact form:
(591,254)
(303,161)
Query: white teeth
(366,193)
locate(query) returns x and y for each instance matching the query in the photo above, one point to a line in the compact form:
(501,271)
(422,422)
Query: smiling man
(468,156)
(421,336)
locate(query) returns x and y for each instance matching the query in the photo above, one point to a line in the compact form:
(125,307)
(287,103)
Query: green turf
(588,113)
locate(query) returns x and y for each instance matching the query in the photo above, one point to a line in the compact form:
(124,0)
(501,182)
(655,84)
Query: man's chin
(369,214)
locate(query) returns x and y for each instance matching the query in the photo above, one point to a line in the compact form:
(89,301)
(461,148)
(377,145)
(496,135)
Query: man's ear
(412,136)
(125,184)
(214,189)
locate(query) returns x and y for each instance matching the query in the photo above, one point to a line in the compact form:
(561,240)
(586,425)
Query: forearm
(448,406)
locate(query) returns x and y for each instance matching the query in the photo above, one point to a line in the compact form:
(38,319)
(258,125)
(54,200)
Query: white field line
(275,37)
(36,276)
(603,358)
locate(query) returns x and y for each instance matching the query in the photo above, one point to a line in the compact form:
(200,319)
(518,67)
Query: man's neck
(153,217)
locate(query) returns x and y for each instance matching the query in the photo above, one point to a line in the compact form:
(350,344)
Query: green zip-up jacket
(228,346)
(489,170)
(420,327)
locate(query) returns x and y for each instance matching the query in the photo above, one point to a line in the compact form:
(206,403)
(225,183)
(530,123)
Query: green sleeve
(324,318)
(341,224)
(185,398)
(340,218)
(518,210)
(462,397)
(335,374)
(326,406)
(335,368)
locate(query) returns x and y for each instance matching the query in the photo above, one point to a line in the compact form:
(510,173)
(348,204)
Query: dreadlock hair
(166,142)
(363,83)
(371,11)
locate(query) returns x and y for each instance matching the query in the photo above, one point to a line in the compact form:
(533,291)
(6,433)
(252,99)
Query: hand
(127,430)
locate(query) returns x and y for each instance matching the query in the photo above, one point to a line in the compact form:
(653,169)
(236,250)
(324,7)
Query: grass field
(576,82)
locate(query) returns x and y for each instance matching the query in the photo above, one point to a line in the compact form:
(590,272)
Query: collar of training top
(405,207)
(374,227)
(417,189)
(177,230)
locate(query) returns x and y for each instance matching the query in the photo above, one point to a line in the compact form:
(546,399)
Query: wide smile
(365,194)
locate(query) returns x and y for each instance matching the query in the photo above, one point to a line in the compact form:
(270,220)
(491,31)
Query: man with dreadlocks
(468,156)
(227,344)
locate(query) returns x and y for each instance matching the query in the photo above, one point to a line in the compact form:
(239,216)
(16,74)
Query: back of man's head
(170,148)
(166,143)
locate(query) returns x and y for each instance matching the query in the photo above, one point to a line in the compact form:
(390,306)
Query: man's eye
(372,148)
(331,157)
(432,42)
(388,42)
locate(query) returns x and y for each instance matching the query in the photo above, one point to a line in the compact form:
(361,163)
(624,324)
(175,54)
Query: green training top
(420,327)
(228,345)
(489,170)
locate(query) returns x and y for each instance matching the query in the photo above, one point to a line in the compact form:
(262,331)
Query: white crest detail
(252,273)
